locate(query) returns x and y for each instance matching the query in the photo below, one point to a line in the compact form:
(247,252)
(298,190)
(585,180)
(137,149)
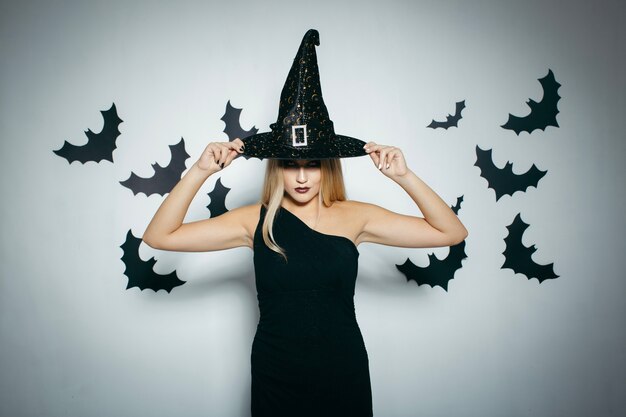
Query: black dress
(308,356)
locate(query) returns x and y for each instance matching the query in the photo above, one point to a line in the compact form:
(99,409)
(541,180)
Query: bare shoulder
(249,216)
(352,204)
(355,208)
(344,210)
(359,210)
(352,217)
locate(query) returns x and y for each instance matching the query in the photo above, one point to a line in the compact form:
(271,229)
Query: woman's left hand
(388,159)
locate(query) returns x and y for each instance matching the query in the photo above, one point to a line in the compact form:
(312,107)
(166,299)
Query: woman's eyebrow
(306,162)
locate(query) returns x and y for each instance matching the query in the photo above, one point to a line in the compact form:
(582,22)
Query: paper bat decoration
(455,208)
(450,120)
(140,274)
(518,257)
(543,113)
(218,197)
(164,178)
(233,127)
(439,271)
(99,146)
(503,180)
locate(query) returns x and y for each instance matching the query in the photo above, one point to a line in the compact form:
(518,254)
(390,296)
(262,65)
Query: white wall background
(74,342)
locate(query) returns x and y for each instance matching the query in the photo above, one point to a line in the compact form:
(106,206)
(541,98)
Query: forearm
(436,212)
(171,213)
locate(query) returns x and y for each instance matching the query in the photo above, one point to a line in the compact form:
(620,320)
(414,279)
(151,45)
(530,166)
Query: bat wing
(99,146)
(217,205)
(519,257)
(439,271)
(435,124)
(457,206)
(504,180)
(164,178)
(454,120)
(451,121)
(140,274)
(542,114)
(233,126)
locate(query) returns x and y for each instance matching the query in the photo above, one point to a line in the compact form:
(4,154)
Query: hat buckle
(298,139)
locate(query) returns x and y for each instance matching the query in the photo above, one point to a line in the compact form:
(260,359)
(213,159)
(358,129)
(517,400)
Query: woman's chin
(301,198)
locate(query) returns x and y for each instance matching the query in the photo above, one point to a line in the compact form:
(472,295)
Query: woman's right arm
(166,229)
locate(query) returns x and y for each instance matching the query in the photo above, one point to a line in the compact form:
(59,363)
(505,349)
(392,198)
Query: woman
(308,356)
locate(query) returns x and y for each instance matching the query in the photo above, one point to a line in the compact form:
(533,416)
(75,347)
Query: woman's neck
(310,210)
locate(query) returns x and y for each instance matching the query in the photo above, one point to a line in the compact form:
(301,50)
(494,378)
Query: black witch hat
(303,129)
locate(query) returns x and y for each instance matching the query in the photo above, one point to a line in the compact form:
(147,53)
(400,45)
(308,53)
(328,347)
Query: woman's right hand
(218,155)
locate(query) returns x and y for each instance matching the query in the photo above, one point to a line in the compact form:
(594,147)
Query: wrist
(199,172)
(402,178)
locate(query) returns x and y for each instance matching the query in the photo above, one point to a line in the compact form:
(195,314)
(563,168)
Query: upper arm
(389,228)
(231,229)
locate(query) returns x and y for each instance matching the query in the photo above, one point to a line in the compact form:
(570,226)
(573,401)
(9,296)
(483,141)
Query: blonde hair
(331,189)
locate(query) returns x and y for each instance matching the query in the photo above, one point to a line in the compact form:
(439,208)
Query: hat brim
(264,145)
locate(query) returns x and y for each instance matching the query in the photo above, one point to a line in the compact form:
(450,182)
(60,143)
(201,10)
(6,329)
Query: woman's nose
(302,175)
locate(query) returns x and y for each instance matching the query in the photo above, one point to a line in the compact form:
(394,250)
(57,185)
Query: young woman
(308,356)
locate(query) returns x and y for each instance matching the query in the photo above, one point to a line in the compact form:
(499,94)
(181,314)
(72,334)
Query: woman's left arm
(440,223)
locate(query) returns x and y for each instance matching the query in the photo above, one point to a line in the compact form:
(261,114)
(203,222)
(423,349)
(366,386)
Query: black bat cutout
(439,271)
(504,180)
(99,146)
(518,257)
(217,205)
(451,121)
(542,114)
(455,208)
(140,274)
(233,127)
(164,178)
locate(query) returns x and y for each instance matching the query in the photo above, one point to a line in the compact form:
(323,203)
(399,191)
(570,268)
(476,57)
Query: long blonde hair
(331,189)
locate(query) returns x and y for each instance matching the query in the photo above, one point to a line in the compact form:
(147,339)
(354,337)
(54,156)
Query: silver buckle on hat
(298,141)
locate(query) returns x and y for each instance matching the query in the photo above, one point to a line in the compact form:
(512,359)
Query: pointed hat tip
(313,36)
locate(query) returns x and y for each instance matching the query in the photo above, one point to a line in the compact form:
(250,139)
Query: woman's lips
(302,190)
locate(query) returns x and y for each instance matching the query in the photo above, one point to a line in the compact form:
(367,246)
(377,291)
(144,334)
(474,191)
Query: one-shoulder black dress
(308,356)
